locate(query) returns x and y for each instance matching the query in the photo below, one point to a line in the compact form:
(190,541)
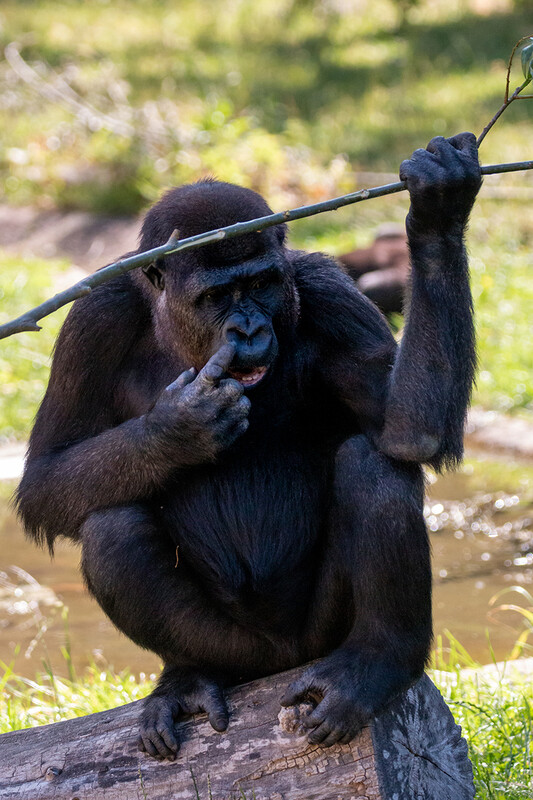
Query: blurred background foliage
(103,105)
(281,95)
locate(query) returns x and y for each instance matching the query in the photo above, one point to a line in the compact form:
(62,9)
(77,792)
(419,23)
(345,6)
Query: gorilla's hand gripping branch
(28,321)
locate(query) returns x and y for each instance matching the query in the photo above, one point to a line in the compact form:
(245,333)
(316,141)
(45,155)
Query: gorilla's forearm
(118,466)
(432,376)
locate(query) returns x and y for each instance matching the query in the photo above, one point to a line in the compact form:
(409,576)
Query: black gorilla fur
(284,463)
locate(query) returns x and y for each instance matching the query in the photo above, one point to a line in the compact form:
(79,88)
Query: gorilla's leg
(374,592)
(132,570)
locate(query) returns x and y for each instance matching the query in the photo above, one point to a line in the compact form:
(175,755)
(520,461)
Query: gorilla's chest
(250,527)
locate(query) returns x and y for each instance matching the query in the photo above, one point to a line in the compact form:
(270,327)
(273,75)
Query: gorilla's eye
(212,295)
(260,283)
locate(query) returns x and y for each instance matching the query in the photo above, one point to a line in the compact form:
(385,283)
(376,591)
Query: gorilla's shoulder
(332,304)
(111,316)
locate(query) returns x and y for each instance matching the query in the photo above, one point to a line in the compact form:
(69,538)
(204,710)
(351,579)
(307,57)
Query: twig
(28,321)
(515,95)
(505,105)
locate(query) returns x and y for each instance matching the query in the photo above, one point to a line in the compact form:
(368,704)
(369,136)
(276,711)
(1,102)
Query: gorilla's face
(238,289)
(244,304)
(240,304)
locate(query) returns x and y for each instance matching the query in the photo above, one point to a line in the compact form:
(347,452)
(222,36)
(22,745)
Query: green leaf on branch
(527,60)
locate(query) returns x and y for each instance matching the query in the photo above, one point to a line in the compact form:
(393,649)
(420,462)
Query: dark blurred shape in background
(381,270)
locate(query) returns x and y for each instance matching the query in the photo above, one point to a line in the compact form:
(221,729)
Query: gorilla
(235,440)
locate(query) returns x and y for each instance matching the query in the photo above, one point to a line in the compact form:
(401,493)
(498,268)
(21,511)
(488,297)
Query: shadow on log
(413,751)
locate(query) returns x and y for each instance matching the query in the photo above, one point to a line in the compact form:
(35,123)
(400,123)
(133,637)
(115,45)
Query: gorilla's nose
(253,340)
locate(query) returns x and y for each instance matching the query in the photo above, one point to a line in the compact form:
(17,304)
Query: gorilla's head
(238,290)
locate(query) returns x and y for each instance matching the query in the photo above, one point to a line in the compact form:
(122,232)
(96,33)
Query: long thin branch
(28,320)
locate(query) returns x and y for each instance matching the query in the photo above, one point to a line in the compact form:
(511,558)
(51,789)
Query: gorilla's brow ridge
(255,268)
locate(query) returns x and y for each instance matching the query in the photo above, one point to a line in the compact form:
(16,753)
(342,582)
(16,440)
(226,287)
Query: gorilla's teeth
(250,378)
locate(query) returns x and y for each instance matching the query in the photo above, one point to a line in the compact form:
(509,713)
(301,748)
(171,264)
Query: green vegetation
(494,710)
(267,94)
(480,476)
(25,359)
(49,698)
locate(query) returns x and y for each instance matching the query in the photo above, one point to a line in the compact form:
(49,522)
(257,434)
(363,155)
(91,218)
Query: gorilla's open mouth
(248,377)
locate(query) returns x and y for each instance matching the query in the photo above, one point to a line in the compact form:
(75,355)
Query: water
(482,540)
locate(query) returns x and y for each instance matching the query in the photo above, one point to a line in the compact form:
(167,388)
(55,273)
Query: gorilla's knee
(107,539)
(365,476)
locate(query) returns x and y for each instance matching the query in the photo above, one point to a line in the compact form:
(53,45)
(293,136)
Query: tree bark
(412,751)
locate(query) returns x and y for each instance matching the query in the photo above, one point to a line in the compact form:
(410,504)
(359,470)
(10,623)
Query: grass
(24,359)
(494,713)
(50,698)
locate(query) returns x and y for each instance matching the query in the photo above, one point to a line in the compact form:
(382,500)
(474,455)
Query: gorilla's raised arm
(432,377)
(412,399)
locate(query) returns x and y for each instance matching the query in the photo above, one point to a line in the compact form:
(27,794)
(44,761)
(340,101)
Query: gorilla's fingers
(153,743)
(464,141)
(231,389)
(404,169)
(217,710)
(436,144)
(319,734)
(166,731)
(317,716)
(158,737)
(296,692)
(242,407)
(240,428)
(408,167)
(334,737)
(182,380)
(147,747)
(347,738)
(217,364)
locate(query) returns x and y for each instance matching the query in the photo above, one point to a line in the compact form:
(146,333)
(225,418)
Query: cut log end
(412,750)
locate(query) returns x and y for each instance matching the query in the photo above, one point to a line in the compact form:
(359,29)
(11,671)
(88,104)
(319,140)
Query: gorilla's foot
(181,690)
(157,734)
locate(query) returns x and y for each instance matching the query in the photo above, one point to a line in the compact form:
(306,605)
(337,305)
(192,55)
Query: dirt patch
(88,240)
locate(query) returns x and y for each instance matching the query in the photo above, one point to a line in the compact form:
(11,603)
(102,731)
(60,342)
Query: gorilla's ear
(156,274)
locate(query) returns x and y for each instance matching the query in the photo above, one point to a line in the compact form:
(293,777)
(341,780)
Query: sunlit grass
(494,709)
(25,703)
(25,358)
(206,92)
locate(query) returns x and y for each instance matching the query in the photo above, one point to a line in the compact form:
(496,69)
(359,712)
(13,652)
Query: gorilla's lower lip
(249,377)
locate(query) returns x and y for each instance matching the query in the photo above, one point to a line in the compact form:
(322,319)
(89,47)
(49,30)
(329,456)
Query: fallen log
(412,751)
